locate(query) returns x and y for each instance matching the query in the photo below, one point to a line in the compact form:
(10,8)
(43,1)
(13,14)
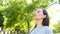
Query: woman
(42,19)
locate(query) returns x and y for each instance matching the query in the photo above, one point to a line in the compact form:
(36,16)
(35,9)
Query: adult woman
(42,19)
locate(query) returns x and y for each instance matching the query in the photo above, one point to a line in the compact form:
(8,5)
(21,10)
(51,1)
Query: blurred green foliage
(59,1)
(20,13)
(57,27)
(1,2)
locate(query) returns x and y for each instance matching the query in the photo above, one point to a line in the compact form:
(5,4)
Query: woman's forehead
(39,10)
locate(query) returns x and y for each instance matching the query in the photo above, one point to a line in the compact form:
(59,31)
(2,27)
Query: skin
(39,16)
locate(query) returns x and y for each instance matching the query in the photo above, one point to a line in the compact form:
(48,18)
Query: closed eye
(38,11)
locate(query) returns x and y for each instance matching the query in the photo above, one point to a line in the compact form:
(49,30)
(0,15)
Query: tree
(21,13)
(59,1)
(1,2)
(57,27)
(1,21)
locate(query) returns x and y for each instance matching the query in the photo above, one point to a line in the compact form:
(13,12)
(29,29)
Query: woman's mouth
(35,15)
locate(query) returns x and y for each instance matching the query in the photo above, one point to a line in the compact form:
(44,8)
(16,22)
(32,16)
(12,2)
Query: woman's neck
(39,23)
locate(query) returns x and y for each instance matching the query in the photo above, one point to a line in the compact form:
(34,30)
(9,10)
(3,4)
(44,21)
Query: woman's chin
(36,18)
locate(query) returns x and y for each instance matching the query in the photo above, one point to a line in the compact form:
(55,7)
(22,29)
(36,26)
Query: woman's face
(39,14)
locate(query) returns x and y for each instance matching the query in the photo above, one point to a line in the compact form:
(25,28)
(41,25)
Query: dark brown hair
(45,20)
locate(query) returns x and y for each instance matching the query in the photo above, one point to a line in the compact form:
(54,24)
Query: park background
(17,15)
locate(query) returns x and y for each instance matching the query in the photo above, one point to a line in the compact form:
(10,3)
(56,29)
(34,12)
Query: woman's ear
(44,16)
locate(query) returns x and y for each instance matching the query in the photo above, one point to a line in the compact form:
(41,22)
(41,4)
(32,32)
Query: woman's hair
(45,21)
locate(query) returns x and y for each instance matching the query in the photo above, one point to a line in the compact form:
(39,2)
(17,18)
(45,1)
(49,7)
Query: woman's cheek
(40,16)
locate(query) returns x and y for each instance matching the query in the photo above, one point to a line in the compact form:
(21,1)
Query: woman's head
(41,14)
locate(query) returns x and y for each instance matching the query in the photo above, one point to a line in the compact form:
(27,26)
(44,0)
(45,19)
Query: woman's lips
(35,15)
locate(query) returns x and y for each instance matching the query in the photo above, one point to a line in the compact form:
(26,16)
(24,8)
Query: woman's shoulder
(49,30)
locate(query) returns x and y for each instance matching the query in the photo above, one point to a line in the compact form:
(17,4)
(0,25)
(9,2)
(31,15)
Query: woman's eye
(38,11)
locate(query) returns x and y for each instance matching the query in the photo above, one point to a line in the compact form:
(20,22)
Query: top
(42,30)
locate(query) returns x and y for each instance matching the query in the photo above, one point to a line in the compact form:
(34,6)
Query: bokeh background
(17,15)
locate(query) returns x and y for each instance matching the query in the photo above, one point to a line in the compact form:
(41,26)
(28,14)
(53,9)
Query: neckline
(41,27)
